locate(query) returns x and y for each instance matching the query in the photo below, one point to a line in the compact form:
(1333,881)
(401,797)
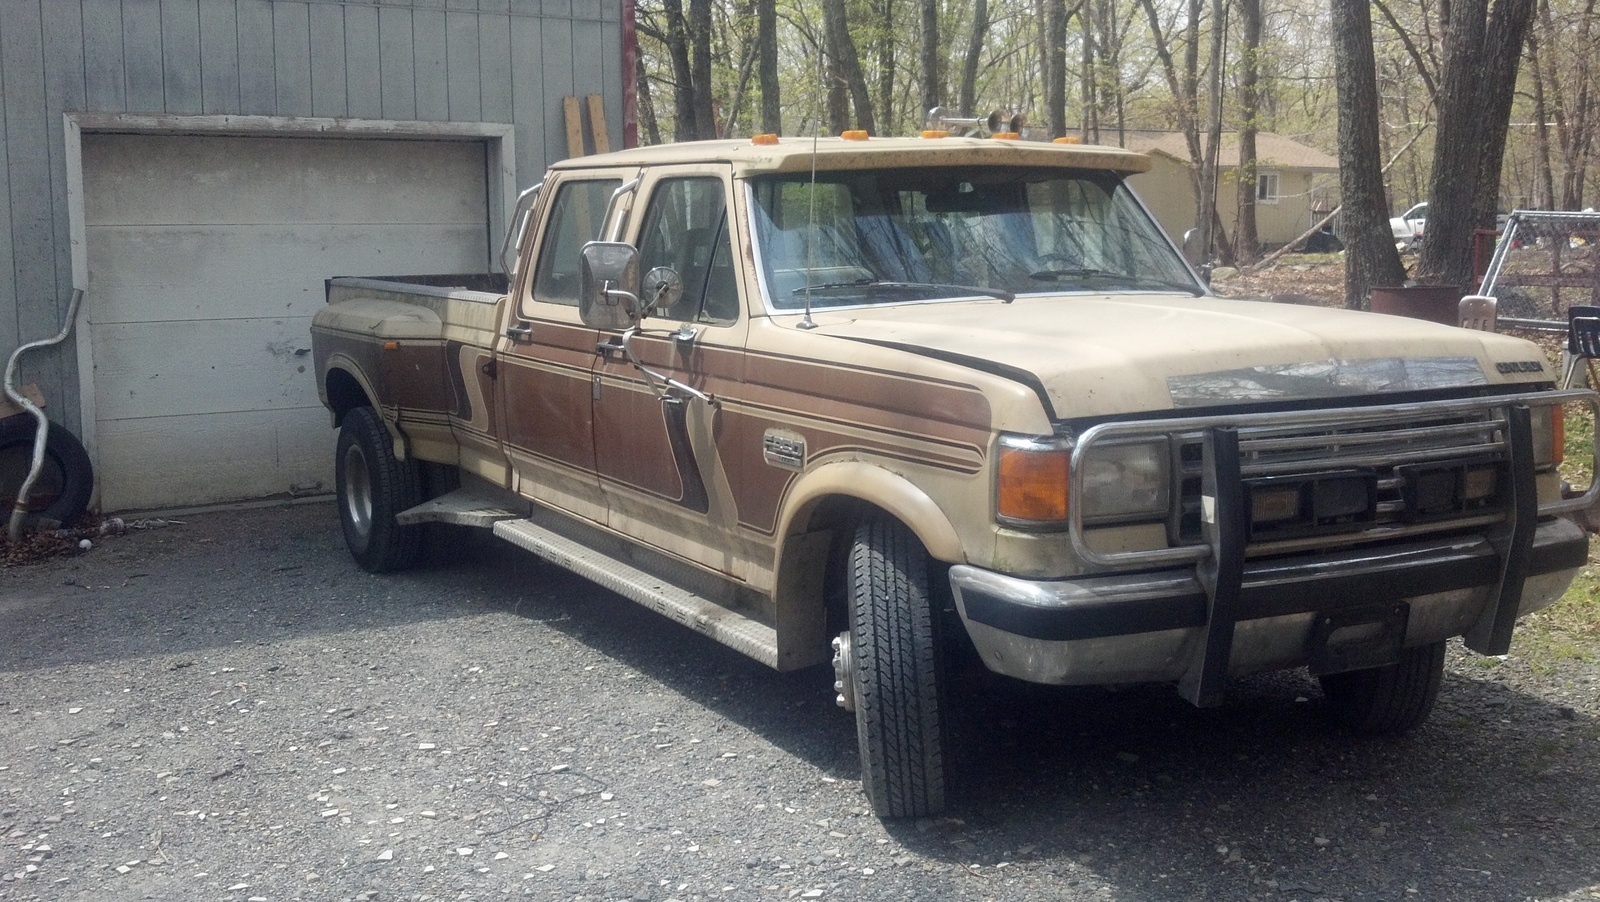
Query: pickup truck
(1407,228)
(887,403)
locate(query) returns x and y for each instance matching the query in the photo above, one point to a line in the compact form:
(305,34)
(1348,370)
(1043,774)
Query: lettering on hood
(1324,379)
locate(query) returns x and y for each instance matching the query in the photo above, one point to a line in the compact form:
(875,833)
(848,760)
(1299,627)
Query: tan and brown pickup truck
(884,402)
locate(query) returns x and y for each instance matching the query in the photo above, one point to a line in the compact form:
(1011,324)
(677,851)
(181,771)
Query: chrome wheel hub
(844,672)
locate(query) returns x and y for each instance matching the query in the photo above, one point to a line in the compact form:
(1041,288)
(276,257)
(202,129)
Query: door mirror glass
(609,285)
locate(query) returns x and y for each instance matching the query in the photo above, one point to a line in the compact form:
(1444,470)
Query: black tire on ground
(1387,700)
(373,486)
(61,493)
(896,658)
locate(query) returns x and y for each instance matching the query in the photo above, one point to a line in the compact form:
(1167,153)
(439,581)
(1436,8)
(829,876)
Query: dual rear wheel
(372,486)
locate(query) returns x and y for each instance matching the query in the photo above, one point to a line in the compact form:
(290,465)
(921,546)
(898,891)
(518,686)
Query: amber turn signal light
(1033,484)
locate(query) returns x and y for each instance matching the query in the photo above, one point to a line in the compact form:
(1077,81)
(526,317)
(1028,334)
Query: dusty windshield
(890,236)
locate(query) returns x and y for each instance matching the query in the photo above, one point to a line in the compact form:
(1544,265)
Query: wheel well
(837,516)
(344,394)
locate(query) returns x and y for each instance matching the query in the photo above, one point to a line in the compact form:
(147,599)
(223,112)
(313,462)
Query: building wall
(500,61)
(1166,190)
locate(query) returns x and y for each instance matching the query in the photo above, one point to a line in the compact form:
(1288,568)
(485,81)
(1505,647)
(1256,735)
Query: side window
(578,215)
(686,233)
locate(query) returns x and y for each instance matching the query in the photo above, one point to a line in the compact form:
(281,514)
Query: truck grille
(1320,481)
(1338,477)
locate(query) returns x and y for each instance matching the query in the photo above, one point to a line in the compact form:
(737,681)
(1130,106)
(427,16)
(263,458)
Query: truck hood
(1100,355)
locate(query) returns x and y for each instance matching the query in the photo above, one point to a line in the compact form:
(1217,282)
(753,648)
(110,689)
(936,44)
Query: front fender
(881,488)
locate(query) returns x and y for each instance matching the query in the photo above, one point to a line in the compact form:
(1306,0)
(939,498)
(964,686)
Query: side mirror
(609,284)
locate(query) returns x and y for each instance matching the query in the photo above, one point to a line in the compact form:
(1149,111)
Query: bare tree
(931,55)
(842,53)
(1246,241)
(1370,256)
(967,93)
(705,119)
(767,66)
(1482,52)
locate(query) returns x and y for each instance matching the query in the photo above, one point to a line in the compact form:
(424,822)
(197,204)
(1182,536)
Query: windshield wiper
(999,293)
(1057,275)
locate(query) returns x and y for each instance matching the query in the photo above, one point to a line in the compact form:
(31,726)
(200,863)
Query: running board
(701,614)
(466,506)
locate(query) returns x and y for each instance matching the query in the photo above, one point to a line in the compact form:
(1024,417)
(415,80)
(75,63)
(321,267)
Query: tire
(373,486)
(895,663)
(61,493)
(1387,700)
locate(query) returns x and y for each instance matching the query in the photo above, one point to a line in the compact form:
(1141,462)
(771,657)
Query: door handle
(521,334)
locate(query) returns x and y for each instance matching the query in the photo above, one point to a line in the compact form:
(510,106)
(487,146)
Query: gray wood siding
(506,61)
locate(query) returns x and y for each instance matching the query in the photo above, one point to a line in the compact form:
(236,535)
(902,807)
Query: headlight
(1549,435)
(1121,482)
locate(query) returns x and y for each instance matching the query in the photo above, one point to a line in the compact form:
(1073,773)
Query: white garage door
(207,257)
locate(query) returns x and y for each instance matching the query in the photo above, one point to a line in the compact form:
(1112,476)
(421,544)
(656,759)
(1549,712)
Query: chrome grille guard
(1305,440)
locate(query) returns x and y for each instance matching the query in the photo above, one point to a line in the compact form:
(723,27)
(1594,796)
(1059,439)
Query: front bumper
(1151,627)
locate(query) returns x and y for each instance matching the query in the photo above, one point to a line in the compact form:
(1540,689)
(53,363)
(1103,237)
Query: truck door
(656,445)
(547,354)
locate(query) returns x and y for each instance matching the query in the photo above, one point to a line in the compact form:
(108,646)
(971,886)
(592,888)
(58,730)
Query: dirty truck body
(887,402)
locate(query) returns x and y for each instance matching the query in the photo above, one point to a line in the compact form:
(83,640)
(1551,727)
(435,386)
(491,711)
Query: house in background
(1296,185)
(200,167)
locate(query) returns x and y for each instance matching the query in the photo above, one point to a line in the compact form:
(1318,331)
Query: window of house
(1267,186)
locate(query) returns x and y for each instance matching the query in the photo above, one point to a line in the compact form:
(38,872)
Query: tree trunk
(842,49)
(705,119)
(1055,85)
(1482,54)
(767,66)
(1211,232)
(647,107)
(932,86)
(967,104)
(1370,256)
(1184,85)
(1088,105)
(684,126)
(1246,241)
(886,46)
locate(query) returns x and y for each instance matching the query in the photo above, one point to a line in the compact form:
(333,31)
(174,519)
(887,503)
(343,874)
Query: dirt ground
(228,709)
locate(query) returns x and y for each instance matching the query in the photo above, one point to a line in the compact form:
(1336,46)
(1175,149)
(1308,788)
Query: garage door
(207,257)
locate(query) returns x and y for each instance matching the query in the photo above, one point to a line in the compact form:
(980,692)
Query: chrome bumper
(1150,627)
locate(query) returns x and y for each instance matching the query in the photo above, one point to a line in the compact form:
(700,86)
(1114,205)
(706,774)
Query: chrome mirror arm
(651,377)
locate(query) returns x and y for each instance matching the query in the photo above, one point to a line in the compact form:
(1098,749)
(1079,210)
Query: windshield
(889,236)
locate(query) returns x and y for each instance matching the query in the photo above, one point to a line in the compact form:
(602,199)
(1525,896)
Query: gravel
(228,709)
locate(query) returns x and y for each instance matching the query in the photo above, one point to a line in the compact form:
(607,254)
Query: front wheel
(889,665)
(373,486)
(1391,699)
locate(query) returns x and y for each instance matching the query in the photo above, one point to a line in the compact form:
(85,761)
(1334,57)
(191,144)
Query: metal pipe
(42,430)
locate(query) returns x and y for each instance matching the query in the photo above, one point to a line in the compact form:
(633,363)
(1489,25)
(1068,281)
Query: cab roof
(796,155)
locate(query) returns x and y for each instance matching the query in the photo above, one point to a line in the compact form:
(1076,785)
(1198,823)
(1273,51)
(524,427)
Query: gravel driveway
(229,709)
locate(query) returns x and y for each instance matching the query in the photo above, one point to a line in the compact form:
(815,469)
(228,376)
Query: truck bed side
(414,347)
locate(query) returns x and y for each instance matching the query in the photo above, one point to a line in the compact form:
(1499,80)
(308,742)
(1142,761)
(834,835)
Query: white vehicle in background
(1407,227)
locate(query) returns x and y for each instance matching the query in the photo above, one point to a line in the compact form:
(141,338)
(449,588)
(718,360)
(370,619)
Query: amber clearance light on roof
(763,140)
(855,134)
